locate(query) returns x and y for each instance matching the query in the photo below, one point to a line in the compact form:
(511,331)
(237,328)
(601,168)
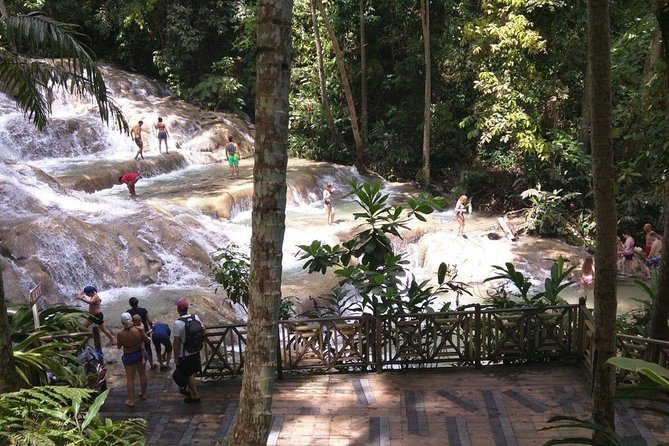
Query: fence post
(377,343)
(477,336)
(581,326)
(279,366)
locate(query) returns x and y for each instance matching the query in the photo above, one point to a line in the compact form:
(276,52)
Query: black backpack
(194,334)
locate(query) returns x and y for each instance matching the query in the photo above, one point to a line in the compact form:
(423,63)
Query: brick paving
(500,406)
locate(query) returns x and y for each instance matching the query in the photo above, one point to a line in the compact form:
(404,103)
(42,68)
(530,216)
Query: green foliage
(32,356)
(29,81)
(367,260)
(637,320)
(549,212)
(62,416)
(232,270)
(653,390)
(553,286)
(218,91)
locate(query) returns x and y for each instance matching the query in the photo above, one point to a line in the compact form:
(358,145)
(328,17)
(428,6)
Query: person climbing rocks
(162,134)
(130,179)
(232,155)
(89,295)
(136,133)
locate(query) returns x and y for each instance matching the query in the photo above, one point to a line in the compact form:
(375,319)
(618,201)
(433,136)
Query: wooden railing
(463,338)
(628,346)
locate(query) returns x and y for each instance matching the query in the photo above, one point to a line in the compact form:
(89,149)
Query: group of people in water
(139,331)
(136,134)
(649,257)
(130,178)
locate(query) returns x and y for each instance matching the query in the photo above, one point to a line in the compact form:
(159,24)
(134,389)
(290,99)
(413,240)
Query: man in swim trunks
(130,179)
(627,252)
(136,133)
(232,156)
(654,255)
(162,135)
(96,317)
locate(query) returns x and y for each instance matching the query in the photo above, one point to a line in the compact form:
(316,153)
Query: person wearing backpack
(188,341)
(232,155)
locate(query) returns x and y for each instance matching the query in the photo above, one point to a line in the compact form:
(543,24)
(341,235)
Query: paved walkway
(500,406)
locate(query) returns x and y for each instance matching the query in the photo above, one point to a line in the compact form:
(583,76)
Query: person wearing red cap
(187,363)
(130,179)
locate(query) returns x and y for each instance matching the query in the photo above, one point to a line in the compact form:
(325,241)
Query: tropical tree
(427,107)
(346,84)
(599,56)
(658,323)
(325,103)
(268,219)
(31,82)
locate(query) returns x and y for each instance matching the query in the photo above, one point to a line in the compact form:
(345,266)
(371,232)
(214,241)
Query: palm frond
(28,79)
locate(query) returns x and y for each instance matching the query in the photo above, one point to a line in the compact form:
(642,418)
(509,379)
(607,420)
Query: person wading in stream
(136,133)
(94,308)
(327,202)
(460,208)
(232,156)
(162,135)
(130,179)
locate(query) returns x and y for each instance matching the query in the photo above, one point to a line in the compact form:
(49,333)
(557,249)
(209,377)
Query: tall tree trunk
(267,220)
(346,84)
(425,19)
(363,78)
(325,104)
(586,109)
(9,377)
(599,56)
(658,323)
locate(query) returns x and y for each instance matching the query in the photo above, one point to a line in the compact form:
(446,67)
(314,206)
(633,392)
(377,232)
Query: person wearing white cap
(131,339)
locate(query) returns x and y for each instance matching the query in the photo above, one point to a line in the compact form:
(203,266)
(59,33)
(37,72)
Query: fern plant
(63,416)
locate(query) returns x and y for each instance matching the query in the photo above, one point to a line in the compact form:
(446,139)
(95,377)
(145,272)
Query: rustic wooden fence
(476,337)
(628,346)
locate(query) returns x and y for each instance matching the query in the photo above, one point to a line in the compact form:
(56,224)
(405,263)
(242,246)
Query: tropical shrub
(62,416)
(368,262)
(520,297)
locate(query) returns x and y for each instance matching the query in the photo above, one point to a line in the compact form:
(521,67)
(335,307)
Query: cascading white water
(157,247)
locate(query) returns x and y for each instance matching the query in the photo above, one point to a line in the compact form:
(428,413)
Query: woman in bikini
(132,340)
(460,208)
(327,202)
(587,274)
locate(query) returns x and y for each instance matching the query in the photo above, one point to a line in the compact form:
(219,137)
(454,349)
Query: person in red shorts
(130,179)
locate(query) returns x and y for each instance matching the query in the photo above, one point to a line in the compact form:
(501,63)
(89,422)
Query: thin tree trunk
(425,19)
(348,94)
(267,220)
(363,78)
(586,109)
(599,56)
(325,104)
(9,378)
(658,323)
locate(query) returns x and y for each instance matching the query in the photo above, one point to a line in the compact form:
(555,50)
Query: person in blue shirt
(161,338)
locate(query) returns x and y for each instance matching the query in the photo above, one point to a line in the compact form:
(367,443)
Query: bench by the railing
(462,338)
